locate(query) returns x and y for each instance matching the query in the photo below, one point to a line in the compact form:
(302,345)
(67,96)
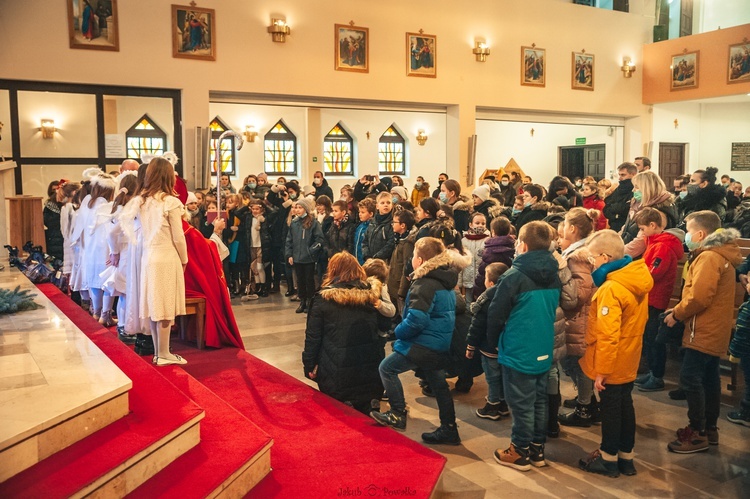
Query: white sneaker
(161,361)
(249,297)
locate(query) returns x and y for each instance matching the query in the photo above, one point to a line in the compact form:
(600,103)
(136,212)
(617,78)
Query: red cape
(204,278)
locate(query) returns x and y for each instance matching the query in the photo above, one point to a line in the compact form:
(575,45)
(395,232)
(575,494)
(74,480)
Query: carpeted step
(163,424)
(232,457)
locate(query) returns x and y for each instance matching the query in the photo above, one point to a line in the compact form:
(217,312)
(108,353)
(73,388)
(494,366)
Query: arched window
(227,152)
(338,147)
(391,157)
(145,137)
(280,151)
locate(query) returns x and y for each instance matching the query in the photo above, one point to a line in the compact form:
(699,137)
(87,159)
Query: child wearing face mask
(473,243)
(507,191)
(614,334)
(706,308)
(421,190)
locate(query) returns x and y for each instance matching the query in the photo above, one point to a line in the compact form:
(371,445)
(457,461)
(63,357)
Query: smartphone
(370,178)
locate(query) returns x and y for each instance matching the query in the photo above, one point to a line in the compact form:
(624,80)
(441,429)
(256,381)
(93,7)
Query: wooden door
(671,162)
(594,164)
(571,162)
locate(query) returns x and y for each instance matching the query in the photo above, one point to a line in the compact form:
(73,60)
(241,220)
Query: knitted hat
(307,190)
(401,191)
(192,198)
(482,192)
(308,204)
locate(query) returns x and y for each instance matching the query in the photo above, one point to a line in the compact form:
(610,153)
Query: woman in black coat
(342,347)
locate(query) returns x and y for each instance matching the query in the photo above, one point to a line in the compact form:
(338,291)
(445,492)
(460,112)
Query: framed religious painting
(421,55)
(739,62)
(92,25)
(352,48)
(193,33)
(684,70)
(582,71)
(533,66)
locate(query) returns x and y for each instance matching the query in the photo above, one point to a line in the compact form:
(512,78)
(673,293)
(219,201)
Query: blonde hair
(582,219)
(384,195)
(650,185)
(429,247)
(608,242)
(375,267)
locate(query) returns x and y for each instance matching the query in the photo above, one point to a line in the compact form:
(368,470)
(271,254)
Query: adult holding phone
(368,184)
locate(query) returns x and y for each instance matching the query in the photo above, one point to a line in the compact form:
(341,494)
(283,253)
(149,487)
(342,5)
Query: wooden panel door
(571,162)
(671,162)
(594,161)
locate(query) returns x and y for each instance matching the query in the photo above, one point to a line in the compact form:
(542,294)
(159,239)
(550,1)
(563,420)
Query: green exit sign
(581,141)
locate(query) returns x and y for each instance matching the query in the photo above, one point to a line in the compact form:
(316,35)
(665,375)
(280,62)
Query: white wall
(687,131)
(6,148)
(722,124)
(36,178)
(499,141)
(716,14)
(131,108)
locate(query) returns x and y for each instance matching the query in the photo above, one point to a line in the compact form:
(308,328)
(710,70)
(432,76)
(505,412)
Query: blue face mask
(252,185)
(683,194)
(638,196)
(527,204)
(515,211)
(443,198)
(690,243)
(396,199)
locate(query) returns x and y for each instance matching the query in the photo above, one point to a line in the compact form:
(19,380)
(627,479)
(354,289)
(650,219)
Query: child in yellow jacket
(614,337)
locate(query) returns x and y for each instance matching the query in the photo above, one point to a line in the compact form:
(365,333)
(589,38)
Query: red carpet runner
(322,448)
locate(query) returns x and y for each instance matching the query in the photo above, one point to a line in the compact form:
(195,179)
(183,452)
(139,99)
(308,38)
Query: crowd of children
(597,310)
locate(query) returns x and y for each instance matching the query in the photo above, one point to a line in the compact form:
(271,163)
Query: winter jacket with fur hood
(342,340)
(491,209)
(577,317)
(707,303)
(712,197)
(536,211)
(429,314)
(617,318)
(473,245)
(521,316)
(663,253)
(461,210)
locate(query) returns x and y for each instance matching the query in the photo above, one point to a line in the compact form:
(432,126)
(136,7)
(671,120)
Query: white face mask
(505,183)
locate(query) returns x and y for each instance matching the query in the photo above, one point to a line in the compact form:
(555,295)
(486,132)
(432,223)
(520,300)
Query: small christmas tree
(16,301)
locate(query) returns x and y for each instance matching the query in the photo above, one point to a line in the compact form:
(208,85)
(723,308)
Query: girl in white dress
(74,235)
(162,280)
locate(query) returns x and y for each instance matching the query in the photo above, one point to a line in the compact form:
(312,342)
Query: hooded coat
(577,316)
(500,249)
(663,253)
(617,205)
(342,340)
(617,318)
(474,245)
(593,202)
(461,210)
(378,241)
(418,195)
(536,211)
(429,314)
(713,197)
(568,301)
(490,209)
(304,244)
(521,316)
(324,189)
(707,303)
(398,284)
(340,236)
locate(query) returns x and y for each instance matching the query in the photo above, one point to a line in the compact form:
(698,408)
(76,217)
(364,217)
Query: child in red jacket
(592,201)
(663,252)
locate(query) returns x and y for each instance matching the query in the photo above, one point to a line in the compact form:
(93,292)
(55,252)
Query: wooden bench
(191,326)
(739,298)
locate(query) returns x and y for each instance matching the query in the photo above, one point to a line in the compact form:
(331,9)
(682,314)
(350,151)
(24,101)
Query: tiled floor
(273,332)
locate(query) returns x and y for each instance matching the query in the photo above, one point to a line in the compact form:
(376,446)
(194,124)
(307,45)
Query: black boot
(275,287)
(263,290)
(302,307)
(553,406)
(580,417)
(445,434)
(144,344)
(290,291)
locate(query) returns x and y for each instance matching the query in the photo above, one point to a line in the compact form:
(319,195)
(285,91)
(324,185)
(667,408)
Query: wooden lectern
(27,220)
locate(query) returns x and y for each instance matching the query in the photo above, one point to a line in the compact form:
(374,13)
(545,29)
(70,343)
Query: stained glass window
(338,147)
(145,137)
(280,151)
(391,158)
(227,153)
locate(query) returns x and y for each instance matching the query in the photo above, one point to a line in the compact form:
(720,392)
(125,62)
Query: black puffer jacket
(340,237)
(712,197)
(491,209)
(379,241)
(52,234)
(342,340)
(324,190)
(537,211)
(617,205)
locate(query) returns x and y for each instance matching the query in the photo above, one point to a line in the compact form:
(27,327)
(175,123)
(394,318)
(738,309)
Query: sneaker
(570,403)
(426,390)
(689,441)
(626,466)
(445,434)
(250,297)
(163,361)
(490,411)
(712,434)
(653,384)
(642,378)
(514,458)
(595,463)
(503,410)
(395,420)
(295,298)
(580,417)
(740,417)
(536,455)
(678,394)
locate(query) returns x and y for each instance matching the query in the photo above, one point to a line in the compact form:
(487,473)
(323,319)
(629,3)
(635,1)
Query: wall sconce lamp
(421,137)
(278,30)
(628,67)
(250,133)
(481,50)
(48,129)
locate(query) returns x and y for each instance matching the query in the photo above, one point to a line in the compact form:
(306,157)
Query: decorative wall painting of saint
(533,66)
(352,48)
(193,33)
(92,25)
(421,55)
(582,72)
(739,63)
(684,71)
